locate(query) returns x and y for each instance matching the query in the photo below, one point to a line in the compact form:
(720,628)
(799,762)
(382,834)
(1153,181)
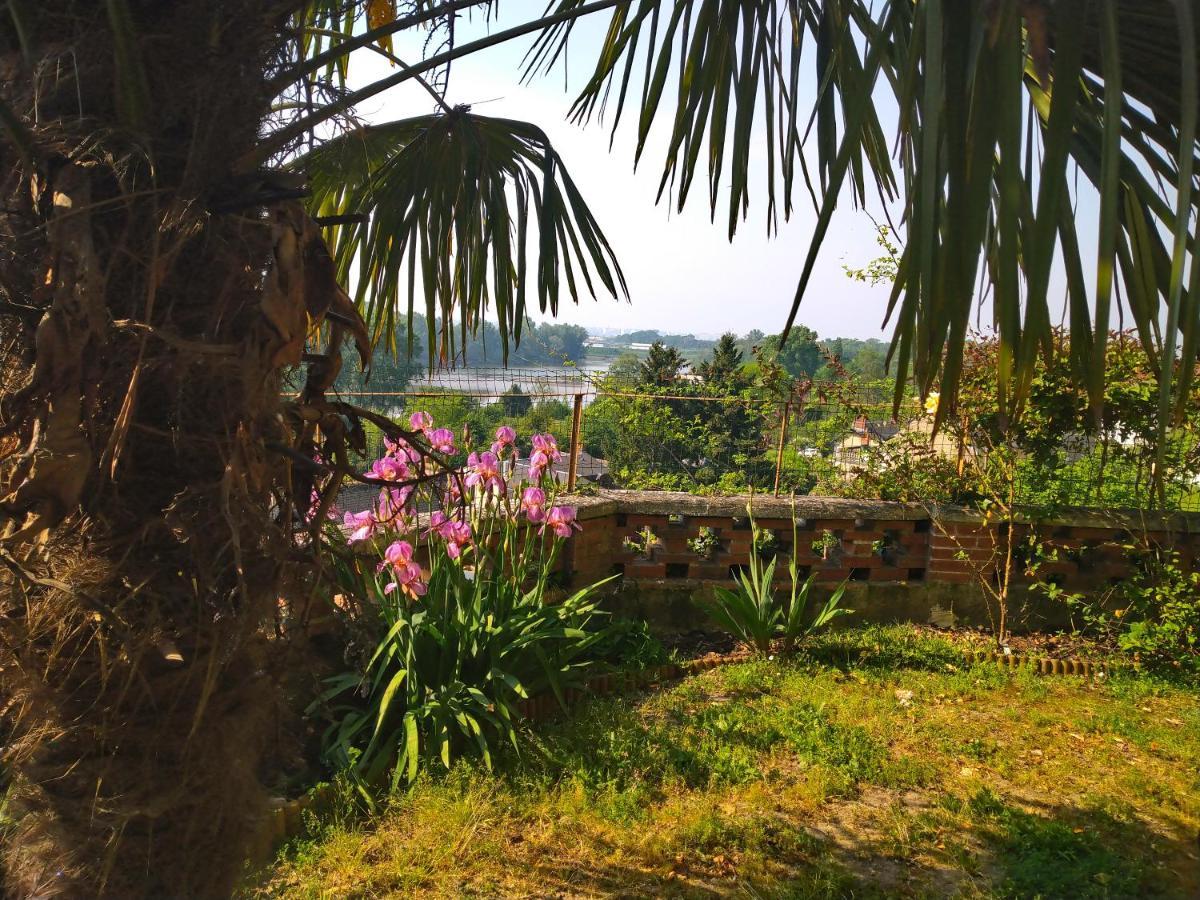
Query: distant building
(588,468)
(850,452)
(639,346)
(855,449)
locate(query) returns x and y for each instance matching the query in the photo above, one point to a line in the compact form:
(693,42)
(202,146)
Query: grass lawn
(879,766)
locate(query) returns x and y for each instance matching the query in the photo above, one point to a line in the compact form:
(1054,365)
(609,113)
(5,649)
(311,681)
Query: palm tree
(174,245)
(194,222)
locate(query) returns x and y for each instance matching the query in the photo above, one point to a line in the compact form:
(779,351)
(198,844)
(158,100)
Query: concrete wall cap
(664,503)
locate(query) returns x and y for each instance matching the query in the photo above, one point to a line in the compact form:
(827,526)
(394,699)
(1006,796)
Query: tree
(725,364)
(390,371)
(624,371)
(553,344)
(750,342)
(868,363)
(515,401)
(801,356)
(661,366)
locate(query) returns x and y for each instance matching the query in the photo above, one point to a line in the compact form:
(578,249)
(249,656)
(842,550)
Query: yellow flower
(931,402)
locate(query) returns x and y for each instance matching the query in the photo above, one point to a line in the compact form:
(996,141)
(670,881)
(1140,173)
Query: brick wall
(874,542)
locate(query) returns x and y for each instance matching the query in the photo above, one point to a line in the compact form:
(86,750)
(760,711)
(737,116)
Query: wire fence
(835,439)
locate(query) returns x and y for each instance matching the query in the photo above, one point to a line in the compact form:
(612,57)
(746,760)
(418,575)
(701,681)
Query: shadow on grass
(1066,851)
(883,648)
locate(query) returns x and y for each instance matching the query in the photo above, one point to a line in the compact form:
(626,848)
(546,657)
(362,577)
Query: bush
(1153,616)
(1163,615)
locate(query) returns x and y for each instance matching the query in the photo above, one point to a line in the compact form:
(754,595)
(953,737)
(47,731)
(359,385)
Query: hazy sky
(683,274)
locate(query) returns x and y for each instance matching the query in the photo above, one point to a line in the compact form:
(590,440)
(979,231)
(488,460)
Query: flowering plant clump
(485,488)
(463,632)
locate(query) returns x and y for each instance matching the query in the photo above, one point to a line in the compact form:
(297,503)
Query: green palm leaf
(737,64)
(1008,113)
(455,204)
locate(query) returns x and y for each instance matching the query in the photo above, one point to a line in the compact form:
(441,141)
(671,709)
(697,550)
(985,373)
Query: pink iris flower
(388,468)
(456,533)
(533,503)
(402,450)
(420,421)
(457,536)
(483,471)
(538,461)
(562,520)
(393,503)
(441,439)
(545,451)
(506,439)
(361,526)
(547,444)
(405,572)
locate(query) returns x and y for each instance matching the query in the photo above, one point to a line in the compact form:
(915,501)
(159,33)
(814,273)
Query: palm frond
(329,31)
(735,64)
(455,205)
(1009,111)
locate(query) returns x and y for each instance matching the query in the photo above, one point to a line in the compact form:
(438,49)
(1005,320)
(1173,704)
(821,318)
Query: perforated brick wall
(863,541)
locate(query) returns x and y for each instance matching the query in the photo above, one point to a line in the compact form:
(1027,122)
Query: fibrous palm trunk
(148,301)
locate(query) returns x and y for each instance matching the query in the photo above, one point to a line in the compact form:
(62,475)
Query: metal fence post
(576,422)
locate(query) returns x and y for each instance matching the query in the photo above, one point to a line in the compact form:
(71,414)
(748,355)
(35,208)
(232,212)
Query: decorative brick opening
(676,520)
(677,570)
(923,526)
(860,573)
(916,574)
(618,568)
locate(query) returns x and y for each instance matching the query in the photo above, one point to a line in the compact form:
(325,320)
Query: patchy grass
(877,767)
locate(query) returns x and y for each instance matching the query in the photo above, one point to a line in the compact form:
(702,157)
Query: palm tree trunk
(145,315)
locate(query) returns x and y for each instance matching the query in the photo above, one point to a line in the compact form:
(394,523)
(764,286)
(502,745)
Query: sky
(683,275)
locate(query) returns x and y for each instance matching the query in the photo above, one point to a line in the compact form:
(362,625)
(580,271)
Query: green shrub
(1154,615)
(1163,615)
